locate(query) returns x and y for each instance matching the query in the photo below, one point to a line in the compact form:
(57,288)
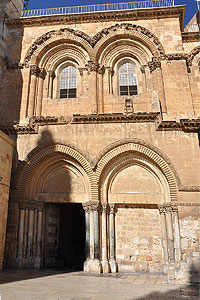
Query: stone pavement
(53,285)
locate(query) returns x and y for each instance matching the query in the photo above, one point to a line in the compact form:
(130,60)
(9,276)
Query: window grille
(127,79)
(68,82)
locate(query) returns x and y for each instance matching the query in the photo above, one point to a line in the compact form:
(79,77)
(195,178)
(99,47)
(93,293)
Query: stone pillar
(30,236)
(177,239)
(164,233)
(32,89)
(105,264)
(110,79)
(95,265)
(42,74)
(113,264)
(51,79)
(100,101)
(86,207)
(170,233)
(92,68)
(39,258)
(22,210)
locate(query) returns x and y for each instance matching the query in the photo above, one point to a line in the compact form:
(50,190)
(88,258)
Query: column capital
(167,208)
(42,73)
(92,66)
(86,206)
(34,70)
(154,64)
(113,208)
(101,70)
(94,206)
(81,70)
(52,74)
(22,205)
(110,71)
(104,207)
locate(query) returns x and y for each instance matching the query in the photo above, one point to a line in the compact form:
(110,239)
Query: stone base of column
(93,266)
(113,266)
(86,265)
(20,262)
(105,266)
(38,262)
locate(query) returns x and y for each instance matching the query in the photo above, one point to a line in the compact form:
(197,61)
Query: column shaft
(42,74)
(32,90)
(113,265)
(170,234)
(164,234)
(21,232)
(38,261)
(30,233)
(177,239)
(96,234)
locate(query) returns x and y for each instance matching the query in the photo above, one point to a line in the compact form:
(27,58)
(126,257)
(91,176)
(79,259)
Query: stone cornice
(123,15)
(186,125)
(188,37)
(115,118)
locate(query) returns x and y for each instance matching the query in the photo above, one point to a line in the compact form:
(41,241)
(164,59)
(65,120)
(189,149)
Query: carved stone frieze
(19,129)
(129,28)
(49,120)
(13,65)
(187,125)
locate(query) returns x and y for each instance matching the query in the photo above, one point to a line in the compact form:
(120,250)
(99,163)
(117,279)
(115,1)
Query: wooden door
(51,235)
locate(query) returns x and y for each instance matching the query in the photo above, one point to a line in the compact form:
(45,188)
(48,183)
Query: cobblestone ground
(52,285)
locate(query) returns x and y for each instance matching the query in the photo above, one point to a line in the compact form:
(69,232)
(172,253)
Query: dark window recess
(67,93)
(128,90)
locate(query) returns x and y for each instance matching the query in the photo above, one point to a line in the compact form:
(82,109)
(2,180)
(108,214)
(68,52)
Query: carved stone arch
(50,39)
(39,160)
(137,147)
(61,52)
(126,30)
(194,52)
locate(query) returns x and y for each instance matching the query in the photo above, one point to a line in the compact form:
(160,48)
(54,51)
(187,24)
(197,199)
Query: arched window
(68,82)
(127,79)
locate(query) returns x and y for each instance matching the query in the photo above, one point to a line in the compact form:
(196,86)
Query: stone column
(164,233)
(42,74)
(113,264)
(170,233)
(22,210)
(86,207)
(30,236)
(38,260)
(110,79)
(177,239)
(95,265)
(92,68)
(101,72)
(32,89)
(51,79)
(105,264)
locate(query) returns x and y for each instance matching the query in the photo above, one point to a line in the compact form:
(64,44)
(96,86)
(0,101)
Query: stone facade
(6,153)
(131,161)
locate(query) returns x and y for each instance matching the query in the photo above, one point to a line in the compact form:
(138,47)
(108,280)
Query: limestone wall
(6,152)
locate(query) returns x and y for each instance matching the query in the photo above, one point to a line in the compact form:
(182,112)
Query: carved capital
(162,210)
(81,70)
(42,73)
(86,207)
(142,69)
(104,208)
(113,208)
(94,206)
(92,66)
(154,64)
(22,205)
(34,70)
(101,70)
(52,74)
(110,71)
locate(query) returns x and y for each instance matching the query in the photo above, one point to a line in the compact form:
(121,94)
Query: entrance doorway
(64,236)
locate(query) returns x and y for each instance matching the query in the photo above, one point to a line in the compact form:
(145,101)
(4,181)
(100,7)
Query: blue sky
(191,6)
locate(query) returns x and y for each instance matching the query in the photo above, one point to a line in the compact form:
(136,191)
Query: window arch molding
(58,72)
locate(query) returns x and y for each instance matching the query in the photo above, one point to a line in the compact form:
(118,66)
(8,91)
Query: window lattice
(127,79)
(68,78)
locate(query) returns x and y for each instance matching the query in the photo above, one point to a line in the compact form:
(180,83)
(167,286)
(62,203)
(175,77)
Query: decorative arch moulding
(123,15)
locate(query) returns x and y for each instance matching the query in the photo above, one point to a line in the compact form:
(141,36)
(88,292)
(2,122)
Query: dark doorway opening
(67,248)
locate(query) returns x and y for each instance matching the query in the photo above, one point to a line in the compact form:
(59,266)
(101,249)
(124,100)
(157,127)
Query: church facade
(104,109)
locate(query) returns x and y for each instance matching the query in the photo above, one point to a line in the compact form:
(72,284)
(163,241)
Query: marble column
(113,264)
(22,210)
(32,89)
(170,233)
(86,207)
(100,101)
(50,88)
(95,265)
(42,74)
(177,239)
(92,68)
(105,264)
(164,233)
(30,236)
(39,255)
